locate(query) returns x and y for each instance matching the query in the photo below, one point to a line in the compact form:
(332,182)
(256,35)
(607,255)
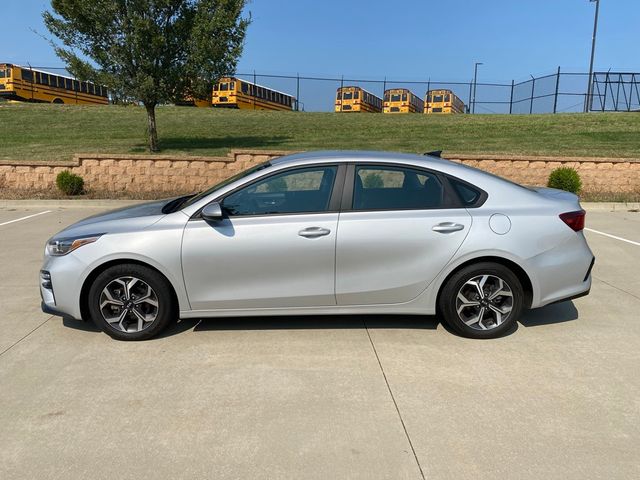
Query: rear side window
(469,196)
(395,188)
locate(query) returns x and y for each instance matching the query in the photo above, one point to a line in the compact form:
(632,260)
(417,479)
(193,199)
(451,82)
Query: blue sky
(421,39)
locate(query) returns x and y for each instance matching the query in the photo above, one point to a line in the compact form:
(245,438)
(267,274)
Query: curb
(610,206)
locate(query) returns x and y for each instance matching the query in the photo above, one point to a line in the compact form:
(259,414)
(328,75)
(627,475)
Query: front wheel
(131,302)
(482,301)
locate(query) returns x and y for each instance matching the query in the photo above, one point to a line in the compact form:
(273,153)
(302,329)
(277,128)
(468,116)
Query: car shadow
(549,315)
(312,322)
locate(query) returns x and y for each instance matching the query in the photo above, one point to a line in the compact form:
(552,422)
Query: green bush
(565,178)
(70,183)
(373,180)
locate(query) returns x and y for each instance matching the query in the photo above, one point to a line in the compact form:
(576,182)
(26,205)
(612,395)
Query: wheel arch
(523,276)
(88,281)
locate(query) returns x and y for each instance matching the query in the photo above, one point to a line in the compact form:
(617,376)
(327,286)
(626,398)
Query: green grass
(53,132)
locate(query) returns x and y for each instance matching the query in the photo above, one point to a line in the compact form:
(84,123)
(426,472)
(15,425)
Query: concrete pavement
(361,397)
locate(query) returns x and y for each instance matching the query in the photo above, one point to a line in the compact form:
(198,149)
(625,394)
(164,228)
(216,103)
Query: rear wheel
(131,302)
(482,300)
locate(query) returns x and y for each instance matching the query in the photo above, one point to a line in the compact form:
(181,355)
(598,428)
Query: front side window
(395,188)
(305,190)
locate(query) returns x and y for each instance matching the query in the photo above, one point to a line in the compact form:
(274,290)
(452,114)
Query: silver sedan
(326,233)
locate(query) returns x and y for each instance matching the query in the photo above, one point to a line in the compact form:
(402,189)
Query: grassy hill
(53,132)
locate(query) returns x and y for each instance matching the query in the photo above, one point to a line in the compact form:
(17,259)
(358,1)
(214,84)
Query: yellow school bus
(231,92)
(28,85)
(402,100)
(190,101)
(443,101)
(356,99)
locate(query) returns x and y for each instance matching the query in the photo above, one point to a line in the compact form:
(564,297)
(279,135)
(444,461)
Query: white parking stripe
(24,218)
(613,236)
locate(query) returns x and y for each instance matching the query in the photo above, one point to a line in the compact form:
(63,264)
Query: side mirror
(212,212)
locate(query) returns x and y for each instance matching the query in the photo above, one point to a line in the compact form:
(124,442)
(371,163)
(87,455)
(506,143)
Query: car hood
(136,217)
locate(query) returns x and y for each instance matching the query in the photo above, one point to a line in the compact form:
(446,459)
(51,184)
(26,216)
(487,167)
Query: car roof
(360,155)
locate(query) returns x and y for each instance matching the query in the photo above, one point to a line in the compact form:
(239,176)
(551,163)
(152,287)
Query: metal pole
(298,92)
(426,108)
(384,86)
(255,89)
(588,101)
(513,82)
(555,100)
(470,90)
(341,92)
(475,84)
(533,90)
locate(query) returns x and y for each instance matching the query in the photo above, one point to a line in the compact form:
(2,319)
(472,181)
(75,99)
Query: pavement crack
(617,288)
(393,398)
(25,336)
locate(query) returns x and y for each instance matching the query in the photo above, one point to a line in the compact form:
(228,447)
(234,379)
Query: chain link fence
(554,93)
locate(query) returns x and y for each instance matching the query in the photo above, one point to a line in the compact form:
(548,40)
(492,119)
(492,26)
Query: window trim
(334,200)
(450,200)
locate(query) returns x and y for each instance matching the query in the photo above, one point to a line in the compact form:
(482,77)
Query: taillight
(575,220)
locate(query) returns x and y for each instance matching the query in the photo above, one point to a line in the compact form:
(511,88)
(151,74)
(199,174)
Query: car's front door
(274,248)
(397,236)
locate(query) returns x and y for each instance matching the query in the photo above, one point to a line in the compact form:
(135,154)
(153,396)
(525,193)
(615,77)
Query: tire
(489,316)
(137,302)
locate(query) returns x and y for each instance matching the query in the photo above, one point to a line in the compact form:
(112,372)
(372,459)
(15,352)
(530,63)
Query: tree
(152,51)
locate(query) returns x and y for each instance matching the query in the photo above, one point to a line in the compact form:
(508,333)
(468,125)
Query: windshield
(224,183)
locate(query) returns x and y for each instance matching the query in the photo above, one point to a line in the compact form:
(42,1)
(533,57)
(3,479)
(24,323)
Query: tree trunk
(151,122)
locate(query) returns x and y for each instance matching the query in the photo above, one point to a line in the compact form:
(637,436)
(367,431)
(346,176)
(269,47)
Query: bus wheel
(57,100)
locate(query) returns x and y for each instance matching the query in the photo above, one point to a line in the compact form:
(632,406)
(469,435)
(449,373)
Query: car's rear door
(275,248)
(397,232)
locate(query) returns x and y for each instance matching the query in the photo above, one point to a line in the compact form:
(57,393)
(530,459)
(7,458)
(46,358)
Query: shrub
(70,183)
(373,180)
(565,178)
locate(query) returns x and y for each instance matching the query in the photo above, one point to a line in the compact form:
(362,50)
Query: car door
(397,235)
(274,246)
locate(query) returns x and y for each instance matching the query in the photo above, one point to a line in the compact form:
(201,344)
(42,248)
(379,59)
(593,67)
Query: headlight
(63,246)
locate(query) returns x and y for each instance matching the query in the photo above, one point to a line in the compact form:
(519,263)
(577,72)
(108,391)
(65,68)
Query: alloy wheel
(484,302)
(129,304)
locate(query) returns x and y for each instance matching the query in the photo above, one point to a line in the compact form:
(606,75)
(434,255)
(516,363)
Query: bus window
(76,86)
(215,87)
(395,97)
(338,96)
(386,97)
(224,86)
(447,98)
(404,97)
(4,73)
(244,87)
(347,96)
(232,86)
(44,78)
(67,83)
(27,75)
(437,98)
(83,87)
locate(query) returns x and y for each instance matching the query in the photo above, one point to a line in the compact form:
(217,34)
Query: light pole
(475,83)
(587,102)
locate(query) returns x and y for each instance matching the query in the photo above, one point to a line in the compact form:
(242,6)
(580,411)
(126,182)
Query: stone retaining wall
(163,173)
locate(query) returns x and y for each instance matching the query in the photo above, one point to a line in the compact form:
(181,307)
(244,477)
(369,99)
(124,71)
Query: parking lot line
(613,236)
(24,218)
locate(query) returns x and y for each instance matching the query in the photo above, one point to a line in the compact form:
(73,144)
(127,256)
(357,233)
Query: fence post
(470,91)
(555,100)
(426,110)
(533,91)
(255,90)
(513,82)
(341,92)
(298,92)
(384,86)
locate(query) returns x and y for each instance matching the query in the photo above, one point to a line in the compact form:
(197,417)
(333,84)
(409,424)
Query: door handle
(314,232)
(447,227)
